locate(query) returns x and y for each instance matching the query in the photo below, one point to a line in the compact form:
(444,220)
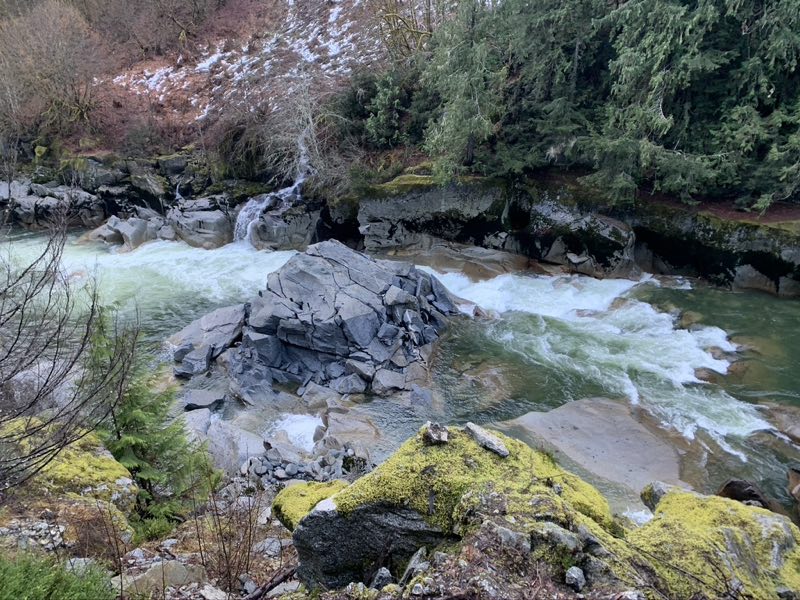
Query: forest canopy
(688,98)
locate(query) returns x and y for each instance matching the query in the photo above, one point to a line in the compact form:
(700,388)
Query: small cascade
(278,202)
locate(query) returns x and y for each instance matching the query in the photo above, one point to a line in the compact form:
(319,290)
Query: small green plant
(171,471)
(29,577)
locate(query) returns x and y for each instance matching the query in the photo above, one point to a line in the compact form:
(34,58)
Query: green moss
(404,184)
(295,502)
(433,480)
(702,543)
(81,467)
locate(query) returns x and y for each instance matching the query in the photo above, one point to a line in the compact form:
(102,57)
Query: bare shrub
(298,137)
(53,56)
(64,363)
(407,25)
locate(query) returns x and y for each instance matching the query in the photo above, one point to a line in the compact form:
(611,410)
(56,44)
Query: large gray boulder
(34,205)
(201,223)
(203,340)
(331,316)
(339,318)
(337,549)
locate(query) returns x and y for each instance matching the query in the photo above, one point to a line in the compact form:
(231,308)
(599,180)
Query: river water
(549,340)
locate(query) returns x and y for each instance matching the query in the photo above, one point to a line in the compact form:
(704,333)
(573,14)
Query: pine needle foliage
(173,473)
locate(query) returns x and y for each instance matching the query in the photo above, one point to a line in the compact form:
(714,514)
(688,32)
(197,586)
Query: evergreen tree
(466,72)
(170,470)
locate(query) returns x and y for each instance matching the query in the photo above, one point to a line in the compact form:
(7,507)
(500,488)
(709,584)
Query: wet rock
(324,320)
(208,337)
(748,493)
(202,222)
(788,287)
(575,578)
(746,277)
(486,439)
(604,437)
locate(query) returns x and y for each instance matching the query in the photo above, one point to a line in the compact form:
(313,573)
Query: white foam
(596,330)
(299,428)
(161,276)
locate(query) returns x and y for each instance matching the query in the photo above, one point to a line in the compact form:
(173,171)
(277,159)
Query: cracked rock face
(336,317)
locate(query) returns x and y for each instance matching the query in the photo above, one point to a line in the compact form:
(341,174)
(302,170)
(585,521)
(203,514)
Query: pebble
(575,578)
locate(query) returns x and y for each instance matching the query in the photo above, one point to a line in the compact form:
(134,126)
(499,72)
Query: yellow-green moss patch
(83,467)
(295,502)
(705,543)
(433,479)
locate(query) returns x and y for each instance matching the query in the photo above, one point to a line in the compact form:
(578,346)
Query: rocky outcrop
(34,206)
(411,212)
(203,340)
(331,316)
(502,519)
(203,223)
(562,222)
(281,220)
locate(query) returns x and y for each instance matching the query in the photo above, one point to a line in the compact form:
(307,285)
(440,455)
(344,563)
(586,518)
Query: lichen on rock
(433,479)
(715,546)
(295,502)
(82,468)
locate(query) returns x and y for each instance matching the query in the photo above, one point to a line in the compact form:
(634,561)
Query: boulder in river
(333,316)
(203,340)
(203,222)
(603,437)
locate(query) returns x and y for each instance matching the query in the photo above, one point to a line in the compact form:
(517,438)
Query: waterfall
(279,201)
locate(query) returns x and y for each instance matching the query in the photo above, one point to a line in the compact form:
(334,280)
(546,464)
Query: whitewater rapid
(577,328)
(597,330)
(166,284)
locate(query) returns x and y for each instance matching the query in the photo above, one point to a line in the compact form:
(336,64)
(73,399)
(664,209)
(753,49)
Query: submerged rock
(603,437)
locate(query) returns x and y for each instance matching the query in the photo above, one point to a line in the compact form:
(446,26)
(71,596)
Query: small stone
(417,590)
(575,578)
(382,578)
(291,469)
(248,585)
(433,433)
(281,474)
(209,592)
(488,440)
(269,547)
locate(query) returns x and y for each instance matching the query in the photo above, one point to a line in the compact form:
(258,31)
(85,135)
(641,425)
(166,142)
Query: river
(549,340)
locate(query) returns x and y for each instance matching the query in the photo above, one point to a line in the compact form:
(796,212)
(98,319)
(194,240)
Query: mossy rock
(295,502)
(433,479)
(83,468)
(712,545)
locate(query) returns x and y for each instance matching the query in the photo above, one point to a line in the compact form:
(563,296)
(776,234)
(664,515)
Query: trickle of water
(278,202)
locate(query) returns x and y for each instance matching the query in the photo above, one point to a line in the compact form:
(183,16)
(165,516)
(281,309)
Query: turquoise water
(547,340)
